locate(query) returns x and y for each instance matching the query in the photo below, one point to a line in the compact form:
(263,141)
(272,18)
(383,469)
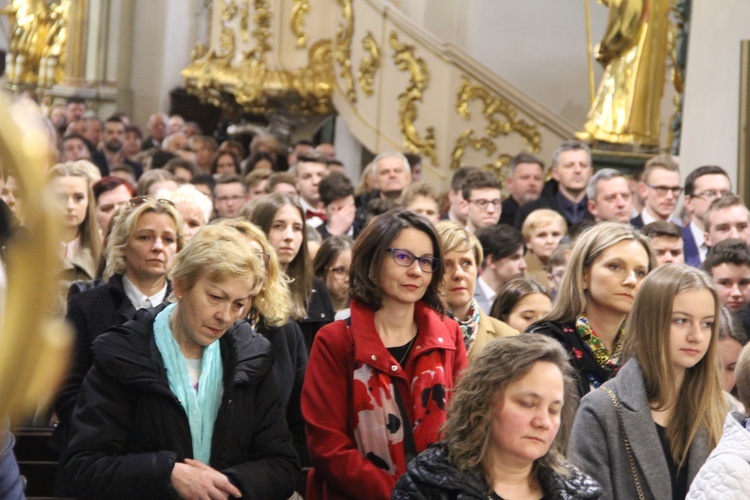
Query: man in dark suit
(704,185)
(157,129)
(660,187)
(110,154)
(524,182)
(566,193)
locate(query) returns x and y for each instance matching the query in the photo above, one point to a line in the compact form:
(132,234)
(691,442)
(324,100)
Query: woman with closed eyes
(377,384)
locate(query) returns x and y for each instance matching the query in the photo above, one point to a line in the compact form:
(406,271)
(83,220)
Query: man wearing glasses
(703,186)
(660,187)
(482,200)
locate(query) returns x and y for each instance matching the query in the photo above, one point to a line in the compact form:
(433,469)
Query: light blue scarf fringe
(201,406)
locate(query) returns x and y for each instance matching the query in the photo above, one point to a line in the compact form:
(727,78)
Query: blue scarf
(202,405)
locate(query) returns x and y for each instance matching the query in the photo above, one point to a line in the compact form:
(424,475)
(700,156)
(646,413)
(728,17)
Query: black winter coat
(128,428)
(433,476)
(289,365)
(319,312)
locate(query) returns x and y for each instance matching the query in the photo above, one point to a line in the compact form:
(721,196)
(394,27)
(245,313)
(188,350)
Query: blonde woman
(268,314)
(646,433)
(462,253)
(542,231)
(604,272)
(70,186)
(182,401)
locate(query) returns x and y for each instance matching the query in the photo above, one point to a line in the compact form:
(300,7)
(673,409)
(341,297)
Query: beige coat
(489,329)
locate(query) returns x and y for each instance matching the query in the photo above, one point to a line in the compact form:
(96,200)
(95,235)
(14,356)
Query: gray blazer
(597,446)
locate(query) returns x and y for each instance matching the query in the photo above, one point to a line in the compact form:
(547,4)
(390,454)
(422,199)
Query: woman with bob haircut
(521,302)
(377,384)
(268,314)
(181,400)
(146,235)
(649,430)
(461,254)
(70,186)
(507,430)
(331,265)
(283,221)
(604,272)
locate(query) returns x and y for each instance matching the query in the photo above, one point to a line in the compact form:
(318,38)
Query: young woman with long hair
(647,432)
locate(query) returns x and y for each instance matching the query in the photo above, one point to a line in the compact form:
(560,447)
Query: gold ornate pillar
(75,62)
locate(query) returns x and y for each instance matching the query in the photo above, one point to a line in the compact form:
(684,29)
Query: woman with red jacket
(377,384)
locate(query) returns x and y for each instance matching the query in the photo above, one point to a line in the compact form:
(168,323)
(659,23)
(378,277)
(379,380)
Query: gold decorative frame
(492,105)
(369,65)
(297,21)
(407,110)
(344,47)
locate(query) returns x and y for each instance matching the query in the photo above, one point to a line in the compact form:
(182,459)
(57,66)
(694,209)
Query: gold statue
(37,41)
(633,52)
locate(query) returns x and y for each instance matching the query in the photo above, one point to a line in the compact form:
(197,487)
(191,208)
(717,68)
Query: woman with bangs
(146,235)
(283,221)
(181,401)
(648,431)
(268,314)
(462,254)
(604,272)
(377,383)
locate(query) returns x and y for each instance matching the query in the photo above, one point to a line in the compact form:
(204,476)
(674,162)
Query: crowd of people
(242,316)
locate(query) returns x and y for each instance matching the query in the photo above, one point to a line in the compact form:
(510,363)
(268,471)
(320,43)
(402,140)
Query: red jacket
(347,401)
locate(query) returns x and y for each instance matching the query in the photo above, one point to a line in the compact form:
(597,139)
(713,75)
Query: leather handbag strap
(628,448)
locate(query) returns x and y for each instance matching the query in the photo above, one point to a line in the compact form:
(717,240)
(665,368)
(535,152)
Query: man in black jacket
(566,193)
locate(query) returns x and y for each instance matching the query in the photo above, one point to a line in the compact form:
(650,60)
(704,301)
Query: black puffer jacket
(128,428)
(433,476)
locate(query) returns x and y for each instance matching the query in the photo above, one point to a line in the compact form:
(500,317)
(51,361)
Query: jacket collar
(129,353)
(369,349)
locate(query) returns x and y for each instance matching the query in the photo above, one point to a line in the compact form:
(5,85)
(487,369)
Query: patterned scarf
(469,327)
(603,357)
(201,406)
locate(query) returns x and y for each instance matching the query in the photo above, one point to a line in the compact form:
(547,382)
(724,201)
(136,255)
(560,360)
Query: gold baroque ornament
(301,7)
(262,32)
(407,110)
(492,105)
(369,65)
(344,47)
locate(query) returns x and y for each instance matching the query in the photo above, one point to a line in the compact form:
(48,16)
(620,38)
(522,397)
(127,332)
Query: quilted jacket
(726,473)
(432,475)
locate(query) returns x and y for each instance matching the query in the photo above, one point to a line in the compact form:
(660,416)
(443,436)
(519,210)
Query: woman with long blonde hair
(648,431)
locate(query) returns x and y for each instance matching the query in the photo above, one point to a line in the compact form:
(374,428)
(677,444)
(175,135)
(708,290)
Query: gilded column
(75,62)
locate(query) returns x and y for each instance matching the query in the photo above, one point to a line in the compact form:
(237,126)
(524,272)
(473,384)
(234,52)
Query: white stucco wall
(710,130)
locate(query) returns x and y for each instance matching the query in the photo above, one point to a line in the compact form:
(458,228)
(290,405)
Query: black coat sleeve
(97,462)
(272,466)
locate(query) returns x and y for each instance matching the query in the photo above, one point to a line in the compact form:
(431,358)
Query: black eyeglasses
(405,258)
(663,190)
(140,200)
(483,204)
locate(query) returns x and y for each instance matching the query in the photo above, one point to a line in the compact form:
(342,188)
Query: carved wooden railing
(396,86)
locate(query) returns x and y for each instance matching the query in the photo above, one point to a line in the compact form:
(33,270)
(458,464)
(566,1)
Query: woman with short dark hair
(377,384)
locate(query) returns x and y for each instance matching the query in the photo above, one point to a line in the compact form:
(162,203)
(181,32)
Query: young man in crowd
(503,249)
(666,240)
(310,170)
(703,186)
(481,198)
(660,188)
(726,217)
(337,196)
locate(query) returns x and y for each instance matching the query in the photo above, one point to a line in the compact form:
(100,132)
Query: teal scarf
(201,406)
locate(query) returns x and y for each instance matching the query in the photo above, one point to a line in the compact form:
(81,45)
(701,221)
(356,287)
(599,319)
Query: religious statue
(633,52)
(37,41)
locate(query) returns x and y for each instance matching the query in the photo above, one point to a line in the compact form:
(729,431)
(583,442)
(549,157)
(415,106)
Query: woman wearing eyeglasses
(377,384)
(331,265)
(145,237)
